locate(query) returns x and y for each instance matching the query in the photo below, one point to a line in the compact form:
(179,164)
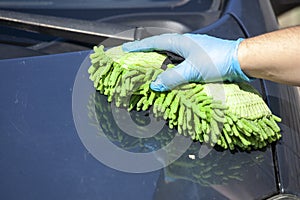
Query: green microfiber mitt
(243,120)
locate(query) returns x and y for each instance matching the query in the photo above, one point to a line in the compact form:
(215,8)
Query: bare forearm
(273,56)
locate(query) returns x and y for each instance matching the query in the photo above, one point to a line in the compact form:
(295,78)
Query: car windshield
(102,4)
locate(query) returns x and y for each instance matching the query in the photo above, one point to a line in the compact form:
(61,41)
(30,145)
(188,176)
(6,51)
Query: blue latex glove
(207,59)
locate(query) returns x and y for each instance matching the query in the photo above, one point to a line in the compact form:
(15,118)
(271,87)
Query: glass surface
(102,4)
(44,156)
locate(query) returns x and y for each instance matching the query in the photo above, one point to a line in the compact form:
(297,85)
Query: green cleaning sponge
(238,118)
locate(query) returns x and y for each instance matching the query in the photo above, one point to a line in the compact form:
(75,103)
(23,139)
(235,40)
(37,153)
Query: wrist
(242,56)
(245,58)
(238,61)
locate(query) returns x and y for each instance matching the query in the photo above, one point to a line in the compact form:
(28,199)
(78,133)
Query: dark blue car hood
(43,156)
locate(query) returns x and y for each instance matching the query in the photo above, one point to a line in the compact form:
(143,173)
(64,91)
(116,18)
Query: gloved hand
(207,59)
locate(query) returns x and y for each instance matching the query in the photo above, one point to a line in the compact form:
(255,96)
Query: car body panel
(42,155)
(284,101)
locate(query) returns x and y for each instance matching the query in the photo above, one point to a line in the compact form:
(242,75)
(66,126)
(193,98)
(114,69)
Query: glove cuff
(240,75)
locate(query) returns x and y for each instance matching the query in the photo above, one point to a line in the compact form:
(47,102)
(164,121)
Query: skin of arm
(273,56)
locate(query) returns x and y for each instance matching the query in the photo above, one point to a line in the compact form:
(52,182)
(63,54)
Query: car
(61,139)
